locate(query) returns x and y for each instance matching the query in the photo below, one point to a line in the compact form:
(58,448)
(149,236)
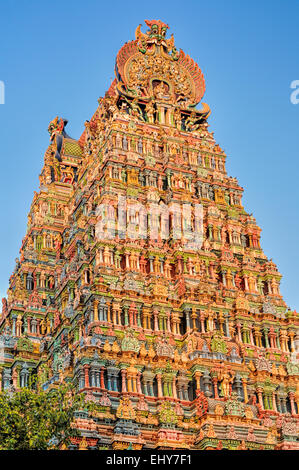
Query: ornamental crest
(151,68)
(155,36)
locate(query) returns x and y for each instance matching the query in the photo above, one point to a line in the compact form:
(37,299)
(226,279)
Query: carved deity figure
(134,109)
(161,91)
(150,112)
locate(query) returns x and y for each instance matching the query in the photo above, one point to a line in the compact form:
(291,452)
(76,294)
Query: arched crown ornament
(164,349)
(155,36)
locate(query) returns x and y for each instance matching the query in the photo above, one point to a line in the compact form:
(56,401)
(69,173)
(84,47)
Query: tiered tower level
(181,345)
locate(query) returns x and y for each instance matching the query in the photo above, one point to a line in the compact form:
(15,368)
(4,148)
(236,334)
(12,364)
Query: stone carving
(125,409)
(167,414)
(234,407)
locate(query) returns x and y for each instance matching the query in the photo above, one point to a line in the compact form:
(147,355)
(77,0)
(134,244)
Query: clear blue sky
(57,58)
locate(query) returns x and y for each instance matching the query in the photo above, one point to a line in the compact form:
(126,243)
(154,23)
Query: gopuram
(141,278)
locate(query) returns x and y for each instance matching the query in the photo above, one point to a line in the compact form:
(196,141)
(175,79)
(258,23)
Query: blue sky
(57,58)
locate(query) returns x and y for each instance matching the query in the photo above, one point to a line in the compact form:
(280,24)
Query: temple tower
(141,276)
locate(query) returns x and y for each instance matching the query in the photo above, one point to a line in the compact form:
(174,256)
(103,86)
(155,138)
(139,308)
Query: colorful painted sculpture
(141,277)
